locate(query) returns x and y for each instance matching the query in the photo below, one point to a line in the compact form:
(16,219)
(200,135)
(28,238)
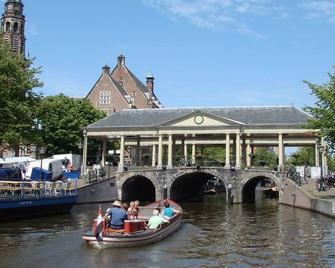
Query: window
(16,27)
(7,26)
(105,97)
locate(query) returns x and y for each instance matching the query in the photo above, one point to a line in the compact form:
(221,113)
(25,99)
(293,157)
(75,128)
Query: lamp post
(42,151)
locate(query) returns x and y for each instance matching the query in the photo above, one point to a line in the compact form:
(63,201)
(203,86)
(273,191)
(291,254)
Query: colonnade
(241,144)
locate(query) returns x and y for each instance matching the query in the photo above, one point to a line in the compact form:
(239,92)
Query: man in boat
(156,220)
(116,215)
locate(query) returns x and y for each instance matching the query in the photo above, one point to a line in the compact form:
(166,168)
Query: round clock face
(198,119)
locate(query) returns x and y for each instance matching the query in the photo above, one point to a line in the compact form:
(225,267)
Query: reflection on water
(213,234)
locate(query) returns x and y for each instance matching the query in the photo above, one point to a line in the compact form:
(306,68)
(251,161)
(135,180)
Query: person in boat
(156,220)
(116,215)
(168,212)
(137,209)
(132,211)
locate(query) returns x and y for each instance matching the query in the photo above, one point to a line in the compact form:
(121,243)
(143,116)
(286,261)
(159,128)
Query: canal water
(213,234)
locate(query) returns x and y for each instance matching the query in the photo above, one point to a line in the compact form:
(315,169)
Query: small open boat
(134,233)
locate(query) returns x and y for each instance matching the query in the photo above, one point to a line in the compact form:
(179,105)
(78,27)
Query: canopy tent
(13,160)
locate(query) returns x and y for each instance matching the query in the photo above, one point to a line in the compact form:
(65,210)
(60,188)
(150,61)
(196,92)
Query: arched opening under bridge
(193,186)
(259,188)
(138,188)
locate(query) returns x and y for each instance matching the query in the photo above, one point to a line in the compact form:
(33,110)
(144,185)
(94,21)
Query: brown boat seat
(110,230)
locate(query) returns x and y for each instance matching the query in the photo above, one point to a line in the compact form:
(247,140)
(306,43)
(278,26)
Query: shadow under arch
(138,188)
(266,184)
(191,186)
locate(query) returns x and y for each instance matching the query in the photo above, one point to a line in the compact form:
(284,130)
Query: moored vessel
(26,199)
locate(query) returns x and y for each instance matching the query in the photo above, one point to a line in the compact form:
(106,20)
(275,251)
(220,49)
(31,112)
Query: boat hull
(137,239)
(11,209)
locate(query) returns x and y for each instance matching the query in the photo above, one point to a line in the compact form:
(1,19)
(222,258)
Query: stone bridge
(182,183)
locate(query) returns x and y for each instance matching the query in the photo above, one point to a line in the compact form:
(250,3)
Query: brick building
(120,89)
(13,25)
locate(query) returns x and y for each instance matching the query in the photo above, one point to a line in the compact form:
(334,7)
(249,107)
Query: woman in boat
(132,212)
(137,209)
(168,212)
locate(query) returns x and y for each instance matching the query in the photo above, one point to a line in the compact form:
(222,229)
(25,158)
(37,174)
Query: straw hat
(117,203)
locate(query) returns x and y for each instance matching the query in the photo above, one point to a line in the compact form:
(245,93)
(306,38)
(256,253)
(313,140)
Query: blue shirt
(118,216)
(168,212)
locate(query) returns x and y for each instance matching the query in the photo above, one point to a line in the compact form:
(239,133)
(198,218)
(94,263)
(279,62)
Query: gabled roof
(143,118)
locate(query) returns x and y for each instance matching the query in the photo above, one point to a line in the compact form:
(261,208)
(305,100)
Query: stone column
(103,154)
(324,157)
(238,151)
(185,151)
(138,150)
(153,155)
(227,151)
(193,154)
(84,167)
(169,165)
(280,152)
(121,163)
(248,153)
(160,151)
(317,156)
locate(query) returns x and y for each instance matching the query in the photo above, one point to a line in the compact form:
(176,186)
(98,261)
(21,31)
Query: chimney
(121,60)
(106,70)
(150,82)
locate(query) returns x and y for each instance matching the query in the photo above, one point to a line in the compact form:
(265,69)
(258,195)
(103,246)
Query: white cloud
(320,9)
(236,15)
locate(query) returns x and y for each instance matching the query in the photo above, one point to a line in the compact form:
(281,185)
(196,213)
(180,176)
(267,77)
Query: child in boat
(156,220)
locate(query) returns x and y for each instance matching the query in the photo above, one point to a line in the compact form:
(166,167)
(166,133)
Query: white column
(185,151)
(193,154)
(138,151)
(238,151)
(280,152)
(103,154)
(153,155)
(84,155)
(317,156)
(160,151)
(121,163)
(227,151)
(169,165)
(248,152)
(324,157)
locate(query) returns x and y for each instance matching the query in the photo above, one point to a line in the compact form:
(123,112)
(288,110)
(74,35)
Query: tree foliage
(18,101)
(323,111)
(62,118)
(303,156)
(264,157)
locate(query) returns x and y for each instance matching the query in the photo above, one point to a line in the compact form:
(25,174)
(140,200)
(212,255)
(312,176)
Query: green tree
(323,111)
(304,155)
(264,157)
(62,118)
(18,101)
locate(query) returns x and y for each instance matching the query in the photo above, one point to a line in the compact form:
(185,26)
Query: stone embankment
(307,197)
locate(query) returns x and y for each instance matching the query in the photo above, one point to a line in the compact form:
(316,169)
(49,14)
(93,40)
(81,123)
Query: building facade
(13,26)
(120,89)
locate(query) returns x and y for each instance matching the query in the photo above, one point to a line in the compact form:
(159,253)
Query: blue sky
(202,53)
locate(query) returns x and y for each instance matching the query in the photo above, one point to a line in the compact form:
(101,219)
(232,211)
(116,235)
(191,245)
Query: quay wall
(102,191)
(294,196)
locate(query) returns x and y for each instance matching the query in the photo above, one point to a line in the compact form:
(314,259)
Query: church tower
(12,26)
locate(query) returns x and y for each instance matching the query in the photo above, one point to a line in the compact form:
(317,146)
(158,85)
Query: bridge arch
(248,185)
(137,187)
(189,184)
